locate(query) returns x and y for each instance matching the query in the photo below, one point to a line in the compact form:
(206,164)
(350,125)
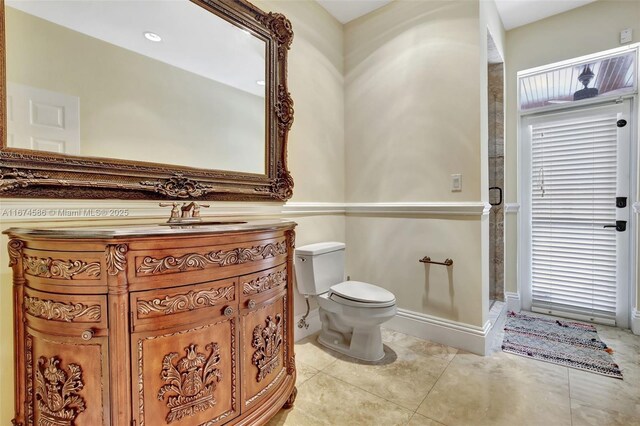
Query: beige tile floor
(423,383)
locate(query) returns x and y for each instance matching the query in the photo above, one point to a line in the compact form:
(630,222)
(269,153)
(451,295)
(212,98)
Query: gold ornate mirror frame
(38,174)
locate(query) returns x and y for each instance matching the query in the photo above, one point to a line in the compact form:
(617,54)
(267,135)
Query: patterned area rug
(567,343)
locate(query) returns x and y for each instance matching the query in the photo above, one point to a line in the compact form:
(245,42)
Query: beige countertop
(207,226)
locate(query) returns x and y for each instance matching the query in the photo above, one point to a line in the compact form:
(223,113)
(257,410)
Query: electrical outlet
(626,36)
(456,183)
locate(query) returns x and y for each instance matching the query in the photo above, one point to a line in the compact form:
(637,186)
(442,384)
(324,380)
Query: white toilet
(350,311)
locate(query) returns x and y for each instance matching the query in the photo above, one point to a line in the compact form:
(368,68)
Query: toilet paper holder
(427,259)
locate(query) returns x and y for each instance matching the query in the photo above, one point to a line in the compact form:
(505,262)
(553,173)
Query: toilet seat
(359,294)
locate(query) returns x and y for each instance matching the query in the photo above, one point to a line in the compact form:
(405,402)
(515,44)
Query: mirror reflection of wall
(83,78)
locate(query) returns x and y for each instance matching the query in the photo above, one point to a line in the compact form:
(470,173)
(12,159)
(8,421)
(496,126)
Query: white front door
(42,120)
(578,209)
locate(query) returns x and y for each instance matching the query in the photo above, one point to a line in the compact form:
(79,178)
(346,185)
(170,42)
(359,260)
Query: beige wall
(134,107)
(315,78)
(316,148)
(413,118)
(582,31)
(412,99)
(385,250)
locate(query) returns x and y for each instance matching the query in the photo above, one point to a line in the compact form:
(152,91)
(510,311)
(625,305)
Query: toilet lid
(363,292)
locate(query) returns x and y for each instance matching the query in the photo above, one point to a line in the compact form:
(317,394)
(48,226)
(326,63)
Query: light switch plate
(456,183)
(626,36)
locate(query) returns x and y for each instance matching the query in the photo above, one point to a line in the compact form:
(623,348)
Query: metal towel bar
(427,259)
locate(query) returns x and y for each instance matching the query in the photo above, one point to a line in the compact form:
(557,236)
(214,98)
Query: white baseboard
(451,333)
(513,301)
(635,322)
(314,325)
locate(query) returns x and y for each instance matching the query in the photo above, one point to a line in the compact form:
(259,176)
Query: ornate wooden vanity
(153,325)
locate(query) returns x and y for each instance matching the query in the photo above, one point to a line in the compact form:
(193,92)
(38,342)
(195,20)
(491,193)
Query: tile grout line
(378,396)
(365,391)
(434,385)
(570,404)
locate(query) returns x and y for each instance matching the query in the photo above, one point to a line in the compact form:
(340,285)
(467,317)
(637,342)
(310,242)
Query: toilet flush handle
(302,259)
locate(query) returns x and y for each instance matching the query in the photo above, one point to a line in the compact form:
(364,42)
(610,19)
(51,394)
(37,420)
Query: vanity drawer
(64,271)
(71,315)
(167,267)
(165,308)
(260,286)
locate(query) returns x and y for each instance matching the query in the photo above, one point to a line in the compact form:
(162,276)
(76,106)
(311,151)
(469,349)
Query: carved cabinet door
(186,377)
(263,339)
(67,379)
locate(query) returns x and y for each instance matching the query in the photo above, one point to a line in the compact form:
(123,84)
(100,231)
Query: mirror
(128,79)
(145,99)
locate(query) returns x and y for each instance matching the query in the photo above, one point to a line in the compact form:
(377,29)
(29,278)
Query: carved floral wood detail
(267,341)
(284,110)
(280,26)
(282,187)
(265,282)
(28,360)
(292,399)
(59,311)
(291,368)
(13,178)
(221,258)
(292,239)
(185,302)
(179,187)
(56,392)
(190,382)
(61,269)
(115,258)
(15,251)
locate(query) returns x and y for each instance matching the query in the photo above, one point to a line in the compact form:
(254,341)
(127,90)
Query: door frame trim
(624,311)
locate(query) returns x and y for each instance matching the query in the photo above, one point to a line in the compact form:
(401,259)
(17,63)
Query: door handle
(500,191)
(621,225)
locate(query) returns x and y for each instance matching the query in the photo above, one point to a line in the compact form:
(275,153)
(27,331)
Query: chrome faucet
(187,213)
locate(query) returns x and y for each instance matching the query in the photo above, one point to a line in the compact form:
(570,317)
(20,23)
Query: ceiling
(192,38)
(514,13)
(348,10)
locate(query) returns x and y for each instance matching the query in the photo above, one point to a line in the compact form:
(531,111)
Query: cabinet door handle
(228,311)
(251,304)
(87,335)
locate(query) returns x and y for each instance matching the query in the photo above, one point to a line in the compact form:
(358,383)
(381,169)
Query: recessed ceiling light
(152,36)
(260,82)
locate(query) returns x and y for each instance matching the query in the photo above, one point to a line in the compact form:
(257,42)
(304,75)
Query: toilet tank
(319,266)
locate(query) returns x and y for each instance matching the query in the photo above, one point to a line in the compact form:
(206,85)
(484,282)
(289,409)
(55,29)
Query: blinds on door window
(574,167)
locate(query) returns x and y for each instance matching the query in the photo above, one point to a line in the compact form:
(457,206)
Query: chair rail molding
(472,208)
(58,210)
(310,208)
(50,210)
(465,208)
(511,207)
